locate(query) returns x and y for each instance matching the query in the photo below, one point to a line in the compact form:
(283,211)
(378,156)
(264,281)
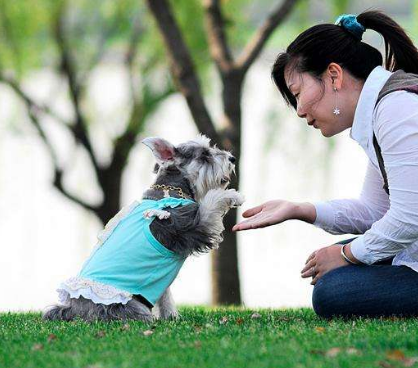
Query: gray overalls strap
(398,81)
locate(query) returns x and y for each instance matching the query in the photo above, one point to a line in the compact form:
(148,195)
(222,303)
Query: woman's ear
(163,150)
(335,73)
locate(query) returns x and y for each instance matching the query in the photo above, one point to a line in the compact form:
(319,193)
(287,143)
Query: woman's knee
(359,291)
(329,298)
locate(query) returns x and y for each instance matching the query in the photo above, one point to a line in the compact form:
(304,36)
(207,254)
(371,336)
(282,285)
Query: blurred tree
(72,39)
(414,15)
(340,7)
(226,33)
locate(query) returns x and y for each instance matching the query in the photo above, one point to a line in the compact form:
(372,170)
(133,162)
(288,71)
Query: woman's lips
(312,122)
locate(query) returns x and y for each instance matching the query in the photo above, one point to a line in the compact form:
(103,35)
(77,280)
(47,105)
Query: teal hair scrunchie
(350,23)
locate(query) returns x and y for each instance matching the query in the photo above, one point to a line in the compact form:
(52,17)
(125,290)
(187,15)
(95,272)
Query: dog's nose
(232,159)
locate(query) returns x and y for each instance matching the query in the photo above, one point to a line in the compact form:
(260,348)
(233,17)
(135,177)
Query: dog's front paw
(235,198)
(161,214)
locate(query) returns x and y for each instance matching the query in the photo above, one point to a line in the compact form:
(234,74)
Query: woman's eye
(296,95)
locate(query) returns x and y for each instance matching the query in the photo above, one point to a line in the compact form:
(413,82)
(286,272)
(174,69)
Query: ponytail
(400,52)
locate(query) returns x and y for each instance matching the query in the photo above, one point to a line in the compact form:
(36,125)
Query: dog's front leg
(218,201)
(213,207)
(166,306)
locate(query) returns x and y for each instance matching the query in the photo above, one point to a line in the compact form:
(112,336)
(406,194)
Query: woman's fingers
(309,265)
(241,226)
(308,270)
(310,257)
(252,211)
(247,225)
(309,273)
(254,222)
(316,278)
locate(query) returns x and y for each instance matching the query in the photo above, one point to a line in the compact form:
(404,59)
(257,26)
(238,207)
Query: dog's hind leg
(133,310)
(87,310)
(166,307)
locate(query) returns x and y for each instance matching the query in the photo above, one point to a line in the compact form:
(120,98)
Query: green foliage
(190,17)
(411,24)
(227,337)
(241,18)
(24,32)
(92,31)
(340,7)
(93,28)
(297,21)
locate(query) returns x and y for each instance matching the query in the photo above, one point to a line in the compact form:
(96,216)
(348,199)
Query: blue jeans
(368,291)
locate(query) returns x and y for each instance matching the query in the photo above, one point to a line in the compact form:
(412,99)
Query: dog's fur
(203,173)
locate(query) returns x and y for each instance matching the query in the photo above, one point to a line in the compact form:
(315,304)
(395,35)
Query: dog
(141,250)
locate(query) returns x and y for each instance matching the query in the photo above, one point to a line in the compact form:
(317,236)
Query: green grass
(203,337)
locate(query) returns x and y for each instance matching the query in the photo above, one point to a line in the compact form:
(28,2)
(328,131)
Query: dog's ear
(163,150)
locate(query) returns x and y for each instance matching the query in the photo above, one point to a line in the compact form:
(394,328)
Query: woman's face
(316,101)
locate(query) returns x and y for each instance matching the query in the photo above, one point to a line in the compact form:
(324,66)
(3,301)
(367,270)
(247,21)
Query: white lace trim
(93,290)
(114,221)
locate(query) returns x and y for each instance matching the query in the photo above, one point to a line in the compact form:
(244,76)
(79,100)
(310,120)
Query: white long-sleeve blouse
(388,224)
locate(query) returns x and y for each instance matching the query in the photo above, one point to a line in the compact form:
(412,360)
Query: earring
(336,109)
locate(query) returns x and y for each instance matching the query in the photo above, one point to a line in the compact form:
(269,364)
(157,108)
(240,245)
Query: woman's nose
(300,112)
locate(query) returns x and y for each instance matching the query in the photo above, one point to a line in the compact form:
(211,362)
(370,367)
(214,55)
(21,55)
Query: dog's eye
(224,181)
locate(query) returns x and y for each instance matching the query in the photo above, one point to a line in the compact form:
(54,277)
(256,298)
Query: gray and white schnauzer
(141,250)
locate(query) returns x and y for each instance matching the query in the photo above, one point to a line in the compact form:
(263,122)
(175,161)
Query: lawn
(204,337)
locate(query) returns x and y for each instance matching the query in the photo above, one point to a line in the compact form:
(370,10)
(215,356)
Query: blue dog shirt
(128,260)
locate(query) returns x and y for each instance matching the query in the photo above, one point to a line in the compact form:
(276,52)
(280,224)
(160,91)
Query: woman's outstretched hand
(275,212)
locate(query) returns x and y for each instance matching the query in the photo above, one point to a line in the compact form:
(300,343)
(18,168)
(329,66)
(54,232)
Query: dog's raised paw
(236,199)
(239,200)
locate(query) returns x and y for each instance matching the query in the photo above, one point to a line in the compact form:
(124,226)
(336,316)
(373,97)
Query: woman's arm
(355,216)
(396,129)
(344,216)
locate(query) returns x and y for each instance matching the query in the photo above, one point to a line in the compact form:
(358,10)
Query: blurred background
(83,82)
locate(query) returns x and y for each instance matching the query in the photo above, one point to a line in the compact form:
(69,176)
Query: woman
(335,81)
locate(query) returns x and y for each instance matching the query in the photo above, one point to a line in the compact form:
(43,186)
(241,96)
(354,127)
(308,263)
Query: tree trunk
(110,181)
(225,279)
(225,275)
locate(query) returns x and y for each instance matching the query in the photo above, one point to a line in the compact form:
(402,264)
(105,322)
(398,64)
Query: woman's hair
(314,49)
